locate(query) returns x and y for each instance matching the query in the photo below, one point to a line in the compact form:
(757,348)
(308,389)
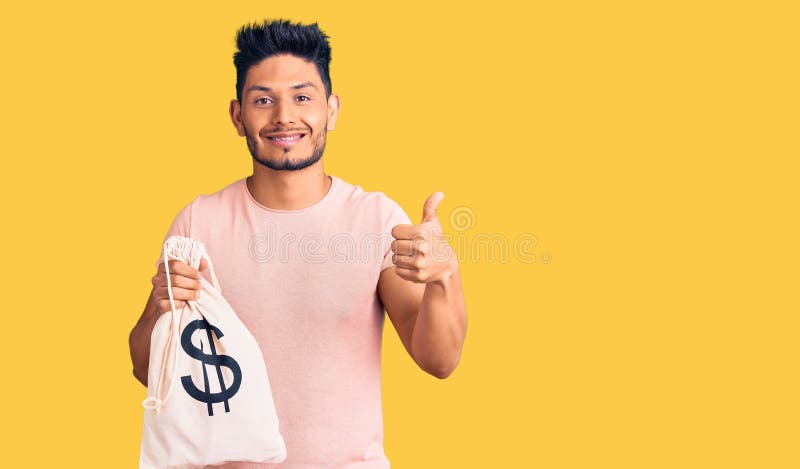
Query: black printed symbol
(212,359)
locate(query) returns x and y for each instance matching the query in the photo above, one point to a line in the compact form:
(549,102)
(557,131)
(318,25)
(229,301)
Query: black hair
(256,42)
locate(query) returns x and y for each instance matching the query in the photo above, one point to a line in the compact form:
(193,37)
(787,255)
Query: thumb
(203,265)
(429,210)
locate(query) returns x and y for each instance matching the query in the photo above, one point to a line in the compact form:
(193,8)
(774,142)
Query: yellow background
(650,147)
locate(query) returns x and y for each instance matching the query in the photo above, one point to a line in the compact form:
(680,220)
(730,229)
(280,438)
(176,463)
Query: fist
(421,253)
(185,281)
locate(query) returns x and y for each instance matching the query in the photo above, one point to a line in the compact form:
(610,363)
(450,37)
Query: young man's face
(284,113)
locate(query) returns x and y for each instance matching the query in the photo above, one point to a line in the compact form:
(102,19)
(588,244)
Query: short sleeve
(181,225)
(395,216)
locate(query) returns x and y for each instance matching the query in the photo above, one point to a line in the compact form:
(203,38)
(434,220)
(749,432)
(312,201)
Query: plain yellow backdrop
(647,152)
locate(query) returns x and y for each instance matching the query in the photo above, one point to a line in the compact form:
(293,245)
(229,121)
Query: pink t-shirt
(304,282)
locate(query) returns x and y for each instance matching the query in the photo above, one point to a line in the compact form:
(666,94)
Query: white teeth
(286,139)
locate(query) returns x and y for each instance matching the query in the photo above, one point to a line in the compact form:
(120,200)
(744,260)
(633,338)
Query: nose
(283,114)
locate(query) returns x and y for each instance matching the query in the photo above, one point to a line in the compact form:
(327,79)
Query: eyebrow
(267,89)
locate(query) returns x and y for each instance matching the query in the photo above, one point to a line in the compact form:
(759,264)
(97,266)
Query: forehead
(282,71)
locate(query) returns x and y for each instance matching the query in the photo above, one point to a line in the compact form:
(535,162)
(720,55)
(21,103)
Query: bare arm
(430,318)
(423,294)
(139,340)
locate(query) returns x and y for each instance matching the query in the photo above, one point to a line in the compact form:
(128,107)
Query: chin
(286,163)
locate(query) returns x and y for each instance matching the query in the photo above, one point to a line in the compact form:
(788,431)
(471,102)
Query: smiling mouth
(285,139)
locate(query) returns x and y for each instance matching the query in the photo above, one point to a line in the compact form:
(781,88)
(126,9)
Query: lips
(286,139)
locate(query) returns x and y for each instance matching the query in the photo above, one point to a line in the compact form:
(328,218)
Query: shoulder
(373,210)
(205,207)
(220,201)
(355,196)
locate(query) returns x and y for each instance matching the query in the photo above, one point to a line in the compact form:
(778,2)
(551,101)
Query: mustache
(284,129)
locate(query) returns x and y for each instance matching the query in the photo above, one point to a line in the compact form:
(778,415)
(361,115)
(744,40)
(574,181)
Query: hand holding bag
(209,399)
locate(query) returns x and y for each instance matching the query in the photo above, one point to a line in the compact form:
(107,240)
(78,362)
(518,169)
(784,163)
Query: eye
(303,98)
(263,101)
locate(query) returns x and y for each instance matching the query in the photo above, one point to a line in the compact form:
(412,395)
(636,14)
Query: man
(316,309)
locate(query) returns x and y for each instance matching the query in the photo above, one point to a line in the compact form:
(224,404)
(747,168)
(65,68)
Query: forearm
(440,327)
(139,340)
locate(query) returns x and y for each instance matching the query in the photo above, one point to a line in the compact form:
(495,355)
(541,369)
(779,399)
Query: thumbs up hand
(421,252)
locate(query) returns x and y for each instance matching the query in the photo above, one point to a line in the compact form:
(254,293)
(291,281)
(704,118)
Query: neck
(288,190)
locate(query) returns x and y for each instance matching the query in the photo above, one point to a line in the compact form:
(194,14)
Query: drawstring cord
(195,249)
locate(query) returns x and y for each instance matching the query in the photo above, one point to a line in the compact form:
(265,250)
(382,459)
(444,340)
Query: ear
(236,116)
(333,110)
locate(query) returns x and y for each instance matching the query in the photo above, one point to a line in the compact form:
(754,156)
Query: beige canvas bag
(208,396)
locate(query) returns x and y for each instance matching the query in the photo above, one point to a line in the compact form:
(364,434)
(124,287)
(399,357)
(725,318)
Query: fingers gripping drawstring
(196,251)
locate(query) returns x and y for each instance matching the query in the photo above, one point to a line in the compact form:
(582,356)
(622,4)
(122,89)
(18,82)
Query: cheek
(255,121)
(317,119)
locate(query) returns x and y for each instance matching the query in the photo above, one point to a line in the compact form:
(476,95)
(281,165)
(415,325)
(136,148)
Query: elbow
(439,361)
(138,373)
(141,377)
(441,365)
(442,371)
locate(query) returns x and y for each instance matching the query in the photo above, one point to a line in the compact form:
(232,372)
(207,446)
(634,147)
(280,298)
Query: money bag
(208,395)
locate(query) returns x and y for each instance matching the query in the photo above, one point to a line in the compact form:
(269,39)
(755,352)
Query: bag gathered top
(209,399)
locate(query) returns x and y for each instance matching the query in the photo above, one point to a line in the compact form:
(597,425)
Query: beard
(287,164)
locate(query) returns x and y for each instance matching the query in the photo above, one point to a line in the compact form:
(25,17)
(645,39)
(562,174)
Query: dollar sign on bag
(212,359)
